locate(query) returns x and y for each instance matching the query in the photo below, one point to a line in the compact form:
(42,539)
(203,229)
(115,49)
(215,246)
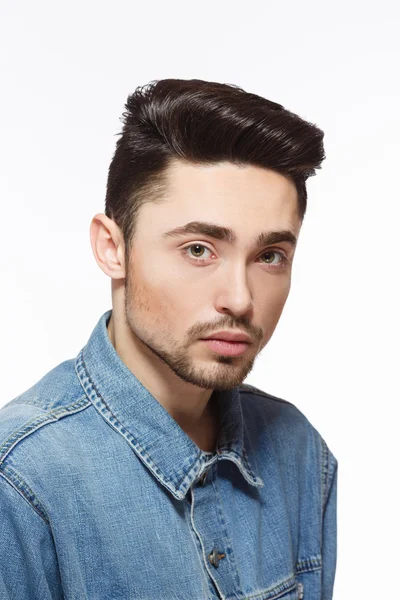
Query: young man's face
(180,289)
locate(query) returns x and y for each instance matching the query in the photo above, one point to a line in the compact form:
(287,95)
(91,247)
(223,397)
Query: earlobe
(106,241)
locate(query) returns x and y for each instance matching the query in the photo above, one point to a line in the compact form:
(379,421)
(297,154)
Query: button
(214,557)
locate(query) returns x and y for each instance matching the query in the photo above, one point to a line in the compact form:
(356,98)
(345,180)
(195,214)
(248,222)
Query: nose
(234,294)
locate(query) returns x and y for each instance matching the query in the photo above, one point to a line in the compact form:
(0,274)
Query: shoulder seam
(243,388)
(38,422)
(329,466)
(15,480)
(325,472)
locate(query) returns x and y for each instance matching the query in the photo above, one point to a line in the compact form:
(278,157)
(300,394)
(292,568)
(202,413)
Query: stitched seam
(312,564)
(330,479)
(324,451)
(276,592)
(325,472)
(15,480)
(38,422)
(87,374)
(128,436)
(308,564)
(246,461)
(229,546)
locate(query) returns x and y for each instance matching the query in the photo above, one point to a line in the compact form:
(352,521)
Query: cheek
(273,304)
(166,300)
(282,293)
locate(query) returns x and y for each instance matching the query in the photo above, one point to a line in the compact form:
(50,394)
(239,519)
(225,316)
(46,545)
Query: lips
(226,348)
(227,336)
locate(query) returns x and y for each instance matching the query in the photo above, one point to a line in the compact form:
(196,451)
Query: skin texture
(165,299)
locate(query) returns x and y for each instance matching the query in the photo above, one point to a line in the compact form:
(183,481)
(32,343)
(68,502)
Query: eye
(271,255)
(200,256)
(199,253)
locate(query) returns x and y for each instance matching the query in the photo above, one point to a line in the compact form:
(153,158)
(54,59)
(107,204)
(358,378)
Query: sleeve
(28,560)
(329,531)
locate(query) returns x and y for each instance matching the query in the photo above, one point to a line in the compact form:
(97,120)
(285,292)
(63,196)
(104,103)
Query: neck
(197,416)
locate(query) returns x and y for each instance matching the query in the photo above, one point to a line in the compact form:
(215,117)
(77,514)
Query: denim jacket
(104,496)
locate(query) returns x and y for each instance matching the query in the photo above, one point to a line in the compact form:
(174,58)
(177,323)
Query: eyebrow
(226,234)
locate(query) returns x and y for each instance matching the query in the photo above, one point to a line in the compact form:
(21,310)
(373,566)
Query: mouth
(226,348)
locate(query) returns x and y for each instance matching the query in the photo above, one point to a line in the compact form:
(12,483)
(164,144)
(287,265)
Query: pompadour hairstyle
(203,122)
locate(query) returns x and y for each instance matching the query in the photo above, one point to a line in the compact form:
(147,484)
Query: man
(145,468)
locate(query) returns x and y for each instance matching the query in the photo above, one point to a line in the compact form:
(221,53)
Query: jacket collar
(157,439)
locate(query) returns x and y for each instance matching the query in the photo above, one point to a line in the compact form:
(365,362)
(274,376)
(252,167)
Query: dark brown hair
(203,122)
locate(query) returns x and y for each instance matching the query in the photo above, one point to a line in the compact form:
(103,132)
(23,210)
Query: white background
(66,70)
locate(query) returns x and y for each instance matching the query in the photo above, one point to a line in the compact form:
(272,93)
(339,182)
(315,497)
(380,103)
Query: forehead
(245,198)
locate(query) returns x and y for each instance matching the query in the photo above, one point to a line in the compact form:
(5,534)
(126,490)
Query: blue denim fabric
(104,496)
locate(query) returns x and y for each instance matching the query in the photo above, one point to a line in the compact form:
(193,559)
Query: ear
(108,246)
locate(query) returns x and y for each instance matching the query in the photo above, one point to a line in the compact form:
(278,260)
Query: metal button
(214,557)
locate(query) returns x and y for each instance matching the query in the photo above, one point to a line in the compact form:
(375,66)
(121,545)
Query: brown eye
(198,253)
(271,255)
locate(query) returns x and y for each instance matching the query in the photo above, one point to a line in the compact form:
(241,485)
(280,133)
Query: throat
(205,436)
